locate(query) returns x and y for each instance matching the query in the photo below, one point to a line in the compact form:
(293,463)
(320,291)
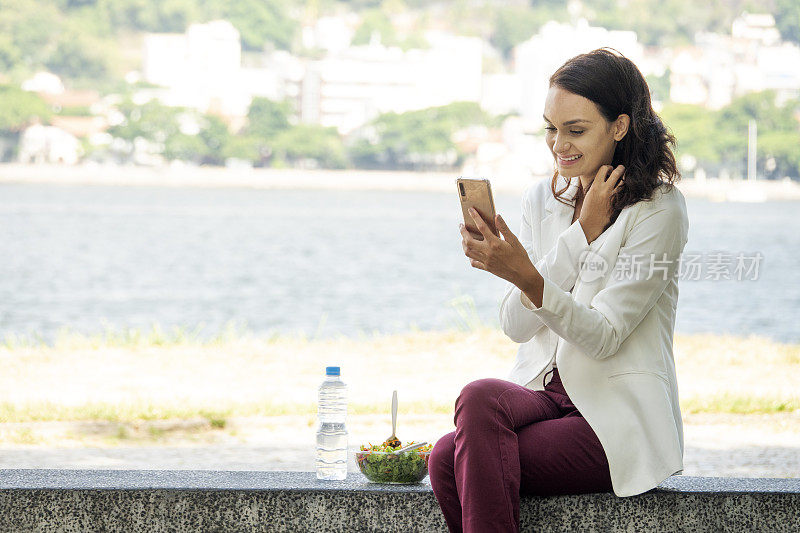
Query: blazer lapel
(558,217)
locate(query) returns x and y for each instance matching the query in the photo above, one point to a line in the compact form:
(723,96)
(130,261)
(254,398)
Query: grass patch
(157,374)
(156,433)
(218,423)
(218,419)
(24,436)
(123,413)
(122,433)
(740,404)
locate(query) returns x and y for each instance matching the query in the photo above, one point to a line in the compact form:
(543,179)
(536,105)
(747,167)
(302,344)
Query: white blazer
(611,337)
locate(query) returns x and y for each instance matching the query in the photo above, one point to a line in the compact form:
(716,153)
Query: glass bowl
(388,467)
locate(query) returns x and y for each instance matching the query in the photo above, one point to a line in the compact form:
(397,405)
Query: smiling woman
(591,299)
(598,112)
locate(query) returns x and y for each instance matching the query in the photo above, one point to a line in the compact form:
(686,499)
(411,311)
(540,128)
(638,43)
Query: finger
(474,255)
(467,234)
(602,173)
(616,174)
(482,226)
(477,264)
(508,235)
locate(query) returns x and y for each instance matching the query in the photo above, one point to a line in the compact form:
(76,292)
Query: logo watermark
(690,266)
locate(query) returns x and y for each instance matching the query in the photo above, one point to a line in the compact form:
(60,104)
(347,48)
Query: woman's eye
(550,128)
(574,132)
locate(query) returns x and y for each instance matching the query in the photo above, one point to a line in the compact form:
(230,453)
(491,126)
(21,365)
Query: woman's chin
(567,172)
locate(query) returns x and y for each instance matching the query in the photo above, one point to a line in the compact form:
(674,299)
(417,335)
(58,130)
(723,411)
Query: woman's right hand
(596,210)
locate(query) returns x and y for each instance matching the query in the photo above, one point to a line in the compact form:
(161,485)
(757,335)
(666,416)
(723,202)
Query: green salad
(379,464)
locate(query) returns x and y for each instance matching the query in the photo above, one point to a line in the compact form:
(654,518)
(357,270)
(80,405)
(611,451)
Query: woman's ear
(621,126)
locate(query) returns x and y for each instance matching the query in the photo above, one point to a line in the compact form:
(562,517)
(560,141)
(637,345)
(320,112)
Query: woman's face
(579,137)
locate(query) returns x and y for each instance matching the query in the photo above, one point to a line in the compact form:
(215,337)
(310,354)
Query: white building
(349,88)
(332,34)
(199,69)
(705,74)
(536,59)
(757,28)
(501,93)
(719,68)
(44,82)
(48,144)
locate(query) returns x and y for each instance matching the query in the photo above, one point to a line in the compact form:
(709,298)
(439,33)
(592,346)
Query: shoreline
(713,189)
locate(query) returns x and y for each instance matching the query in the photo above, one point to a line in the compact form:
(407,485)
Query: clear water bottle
(332,433)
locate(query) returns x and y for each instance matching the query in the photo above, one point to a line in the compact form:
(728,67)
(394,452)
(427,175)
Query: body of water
(323,263)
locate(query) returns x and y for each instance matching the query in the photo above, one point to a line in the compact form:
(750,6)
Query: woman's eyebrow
(569,122)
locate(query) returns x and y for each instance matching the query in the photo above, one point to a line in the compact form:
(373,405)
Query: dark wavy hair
(616,86)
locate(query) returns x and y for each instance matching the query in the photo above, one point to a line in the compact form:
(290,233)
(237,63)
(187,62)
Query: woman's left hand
(505,258)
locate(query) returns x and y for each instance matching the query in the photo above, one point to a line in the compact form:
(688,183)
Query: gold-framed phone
(477,193)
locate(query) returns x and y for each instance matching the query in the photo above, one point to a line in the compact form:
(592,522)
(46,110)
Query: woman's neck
(585,181)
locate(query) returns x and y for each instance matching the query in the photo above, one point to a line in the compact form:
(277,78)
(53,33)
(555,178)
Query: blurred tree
(676,22)
(149,15)
(215,136)
(77,56)
(692,126)
(27,27)
(243,147)
(659,86)
(375,22)
(787,19)
(718,139)
(310,141)
(516,24)
(267,118)
(416,139)
(20,108)
(152,121)
(778,129)
(185,148)
(778,155)
(10,55)
(260,22)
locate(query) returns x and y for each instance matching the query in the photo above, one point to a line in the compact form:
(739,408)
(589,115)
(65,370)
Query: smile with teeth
(570,158)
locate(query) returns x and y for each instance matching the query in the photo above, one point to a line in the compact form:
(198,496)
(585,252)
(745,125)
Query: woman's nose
(560,145)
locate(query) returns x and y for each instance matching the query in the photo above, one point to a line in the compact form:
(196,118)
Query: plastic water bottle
(332,433)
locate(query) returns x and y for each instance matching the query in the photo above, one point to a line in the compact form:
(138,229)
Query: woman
(591,298)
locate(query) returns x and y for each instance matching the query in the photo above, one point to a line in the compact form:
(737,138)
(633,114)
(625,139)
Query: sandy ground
(283,374)
(715,445)
(259,377)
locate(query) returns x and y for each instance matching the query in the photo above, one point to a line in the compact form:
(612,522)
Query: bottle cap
(332,371)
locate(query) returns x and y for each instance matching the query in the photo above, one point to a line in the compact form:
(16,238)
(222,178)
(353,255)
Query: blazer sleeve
(655,243)
(560,265)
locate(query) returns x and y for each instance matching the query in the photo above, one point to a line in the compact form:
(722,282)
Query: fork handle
(394,413)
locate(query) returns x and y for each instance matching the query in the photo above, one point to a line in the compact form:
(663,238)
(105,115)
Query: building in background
(48,144)
(200,69)
(718,68)
(345,89)
(349,88)
(536,59)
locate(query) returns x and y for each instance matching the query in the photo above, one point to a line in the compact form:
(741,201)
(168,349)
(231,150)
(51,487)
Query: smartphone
(476,193)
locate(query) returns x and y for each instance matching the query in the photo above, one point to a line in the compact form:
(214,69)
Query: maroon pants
(511,440)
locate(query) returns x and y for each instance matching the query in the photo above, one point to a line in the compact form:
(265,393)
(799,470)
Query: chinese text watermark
(690,266)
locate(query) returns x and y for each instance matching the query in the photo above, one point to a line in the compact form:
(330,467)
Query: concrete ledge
(202,500)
